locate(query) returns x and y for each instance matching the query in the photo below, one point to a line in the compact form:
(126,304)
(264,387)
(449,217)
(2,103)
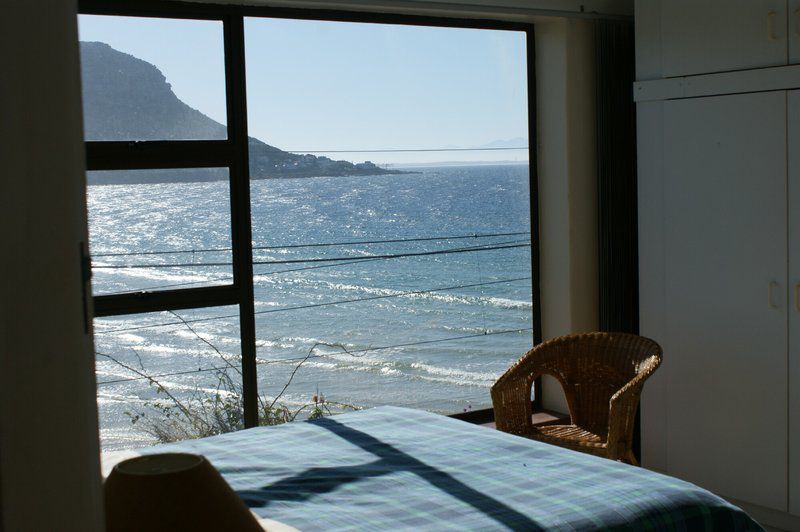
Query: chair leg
(630,458)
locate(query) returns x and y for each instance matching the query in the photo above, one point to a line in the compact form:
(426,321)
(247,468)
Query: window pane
(168,376)
(136,87)
(159,229)
(405,280)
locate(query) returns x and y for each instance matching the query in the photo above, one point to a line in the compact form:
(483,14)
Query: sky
(315,85)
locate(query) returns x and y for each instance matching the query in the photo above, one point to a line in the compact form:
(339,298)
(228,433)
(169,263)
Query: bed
(398,468)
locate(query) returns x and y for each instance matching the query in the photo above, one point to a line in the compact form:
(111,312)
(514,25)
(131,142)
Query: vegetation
(169,418)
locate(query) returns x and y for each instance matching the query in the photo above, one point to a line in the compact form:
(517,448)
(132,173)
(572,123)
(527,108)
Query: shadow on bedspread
(319,480)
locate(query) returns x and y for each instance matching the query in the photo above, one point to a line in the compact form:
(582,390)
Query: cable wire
(255,276)
(487,247)
(297,359)
(229,280)
(406,150)
(322,244)
(314,305)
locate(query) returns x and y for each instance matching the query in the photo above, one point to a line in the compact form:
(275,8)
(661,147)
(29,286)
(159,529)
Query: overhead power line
(229,279)
(315,245)
(162,375)
(297,359)
(255,277)
(315,305)
(317,267)
(407,150)
(488,247)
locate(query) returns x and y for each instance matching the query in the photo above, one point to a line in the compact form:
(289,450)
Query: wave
(456,375)
(274,344)
(503,302)
(161,275)
(259,304)
(411,370)
(129,338)
(499,302)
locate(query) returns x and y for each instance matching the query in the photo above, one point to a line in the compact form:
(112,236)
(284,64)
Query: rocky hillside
(126,98)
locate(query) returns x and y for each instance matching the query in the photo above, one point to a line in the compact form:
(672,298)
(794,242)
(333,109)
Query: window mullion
(240,210)
(140,302)
(124,155)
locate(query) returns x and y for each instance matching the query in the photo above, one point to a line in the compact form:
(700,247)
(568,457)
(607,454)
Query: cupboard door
(794,298)
(725,277)
(721,35)
(794,31)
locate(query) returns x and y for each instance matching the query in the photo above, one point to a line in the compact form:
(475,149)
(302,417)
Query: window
(168,376)
(364,237)
(159,229)
(126,98)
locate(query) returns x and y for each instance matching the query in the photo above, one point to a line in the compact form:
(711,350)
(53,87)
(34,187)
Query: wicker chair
(602,375)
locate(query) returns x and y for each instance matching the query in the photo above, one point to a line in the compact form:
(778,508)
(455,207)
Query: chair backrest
(592,367)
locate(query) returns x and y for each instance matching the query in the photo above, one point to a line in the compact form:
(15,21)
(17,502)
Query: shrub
(169,418)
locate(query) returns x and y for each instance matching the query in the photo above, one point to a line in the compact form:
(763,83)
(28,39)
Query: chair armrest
(621,418)
(622,411)
(511,394)
(511,401)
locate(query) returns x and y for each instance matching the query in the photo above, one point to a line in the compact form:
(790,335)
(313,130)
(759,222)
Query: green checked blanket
(392,468)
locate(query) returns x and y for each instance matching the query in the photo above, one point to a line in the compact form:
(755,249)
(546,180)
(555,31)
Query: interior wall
(49,449)
(565,81)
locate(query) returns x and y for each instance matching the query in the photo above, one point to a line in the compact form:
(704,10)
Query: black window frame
(232,153)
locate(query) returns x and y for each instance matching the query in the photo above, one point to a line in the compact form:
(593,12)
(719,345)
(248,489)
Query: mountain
(126,98)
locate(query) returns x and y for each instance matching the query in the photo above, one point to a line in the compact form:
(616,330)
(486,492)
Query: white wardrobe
(718,119)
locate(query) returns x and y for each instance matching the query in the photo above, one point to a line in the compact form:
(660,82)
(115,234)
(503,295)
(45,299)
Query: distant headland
(126,98)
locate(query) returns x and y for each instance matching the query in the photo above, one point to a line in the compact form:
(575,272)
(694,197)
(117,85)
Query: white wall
(565,79)
(48,417)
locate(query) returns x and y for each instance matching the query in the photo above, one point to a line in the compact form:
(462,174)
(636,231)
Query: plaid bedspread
(393,468)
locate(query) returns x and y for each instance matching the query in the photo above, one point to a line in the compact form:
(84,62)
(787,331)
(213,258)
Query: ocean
(428,321)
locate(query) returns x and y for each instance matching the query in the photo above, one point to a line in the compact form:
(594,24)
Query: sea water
(427,330)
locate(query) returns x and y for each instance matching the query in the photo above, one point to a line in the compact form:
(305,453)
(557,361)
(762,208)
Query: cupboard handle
(797,297)
(771,26)
(770,289)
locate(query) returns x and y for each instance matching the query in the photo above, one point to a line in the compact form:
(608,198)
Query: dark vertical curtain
(616,184)
(616,177)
